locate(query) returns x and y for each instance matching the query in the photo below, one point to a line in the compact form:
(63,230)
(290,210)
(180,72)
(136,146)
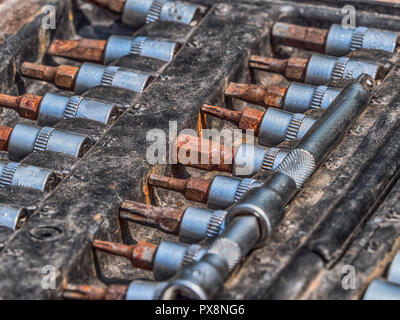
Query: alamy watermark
(349,279)
(349,20)
(49,21)
(49,277)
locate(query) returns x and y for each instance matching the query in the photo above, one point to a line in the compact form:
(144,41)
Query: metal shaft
(166,219)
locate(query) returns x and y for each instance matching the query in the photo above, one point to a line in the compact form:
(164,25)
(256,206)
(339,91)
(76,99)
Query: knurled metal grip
(251,159)
(171,256)
(26,139)
(15,174)
(380,289)
(227,249)
(198,224)
(92,75)
(120,46)
(11,215)
(341,41)
(145,290)
(55,107)
(299,165)
(278,126)
(323,69)
(301,97)
(139,12)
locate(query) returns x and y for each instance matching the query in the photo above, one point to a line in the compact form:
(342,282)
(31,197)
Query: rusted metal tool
(298,97)
(137,13)
(246,160)
(87,76)
(192,225)
(53,107)
(271,127)
(164,260)
(218,193)
(104,52)
(318,70)
(336,41)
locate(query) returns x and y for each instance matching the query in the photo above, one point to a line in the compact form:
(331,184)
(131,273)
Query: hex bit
(105,52)
(24,139)
(336,40)
(87,76)
(319,69)
(164,259)
(192,225)
(298,97)
(194,189)
(218,193)
(271,127)
(52,107)
(245,160)
(137,13)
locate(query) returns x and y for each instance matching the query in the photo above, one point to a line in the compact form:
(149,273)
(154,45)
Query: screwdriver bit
(318,70)
(87,76)
(164,260)
(24,139)
(136,290)
(298,97)
(137,13)
(246,160)
(192,225)
(336,41)
(105,52)
(271,127)
(52,107)
(218,193)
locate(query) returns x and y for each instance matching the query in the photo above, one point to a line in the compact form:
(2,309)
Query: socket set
(301,204)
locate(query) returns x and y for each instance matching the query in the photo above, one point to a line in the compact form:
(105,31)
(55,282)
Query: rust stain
(147,190)
(5,133)
(201,123)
